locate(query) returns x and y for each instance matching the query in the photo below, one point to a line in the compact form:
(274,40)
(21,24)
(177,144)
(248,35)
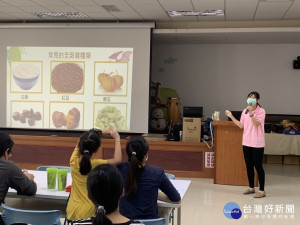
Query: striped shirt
(89,221)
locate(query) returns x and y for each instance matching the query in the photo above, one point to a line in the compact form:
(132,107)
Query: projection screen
(75,76)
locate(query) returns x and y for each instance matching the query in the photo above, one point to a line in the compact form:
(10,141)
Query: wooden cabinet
(184,159)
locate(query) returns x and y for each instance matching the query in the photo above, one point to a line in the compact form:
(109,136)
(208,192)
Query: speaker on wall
(296,63)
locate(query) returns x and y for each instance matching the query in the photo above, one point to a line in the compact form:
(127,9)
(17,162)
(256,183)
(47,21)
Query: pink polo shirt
(254,136)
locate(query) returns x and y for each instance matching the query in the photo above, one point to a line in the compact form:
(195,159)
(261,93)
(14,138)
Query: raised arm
(238,123)
(118,152)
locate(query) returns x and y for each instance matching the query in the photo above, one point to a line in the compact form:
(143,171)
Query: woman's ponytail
(100,217)
(135,171)
(88,144)
(136,150)
(85,165)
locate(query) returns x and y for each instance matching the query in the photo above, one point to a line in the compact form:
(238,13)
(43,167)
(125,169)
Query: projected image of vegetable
(67,78)
(69,121)
(110,82)
(110,118)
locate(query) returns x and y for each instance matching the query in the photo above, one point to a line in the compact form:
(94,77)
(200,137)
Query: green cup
(51,177)
(62,175)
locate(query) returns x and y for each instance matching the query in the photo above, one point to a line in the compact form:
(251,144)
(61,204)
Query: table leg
(179,215)
(173,216)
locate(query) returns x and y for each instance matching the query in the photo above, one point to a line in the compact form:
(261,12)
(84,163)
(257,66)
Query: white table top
(181,186)
(40,177)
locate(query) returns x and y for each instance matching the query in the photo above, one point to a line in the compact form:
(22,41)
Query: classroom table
(40,177)
(181,186)
(282,144)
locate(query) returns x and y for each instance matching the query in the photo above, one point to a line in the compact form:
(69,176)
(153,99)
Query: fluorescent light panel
(276,0)
(60,14)
(197,13)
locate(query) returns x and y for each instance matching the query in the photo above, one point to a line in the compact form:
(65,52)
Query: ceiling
(284,13)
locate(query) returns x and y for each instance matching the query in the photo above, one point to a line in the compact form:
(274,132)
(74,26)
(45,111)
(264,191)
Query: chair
(158,221)
(44,168)
(34,217)
(170,176)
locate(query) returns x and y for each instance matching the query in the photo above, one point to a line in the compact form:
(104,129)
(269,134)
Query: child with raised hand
(82,162)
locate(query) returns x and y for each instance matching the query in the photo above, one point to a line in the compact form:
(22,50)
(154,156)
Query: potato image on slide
(72,119)
(58,119)
(69,121)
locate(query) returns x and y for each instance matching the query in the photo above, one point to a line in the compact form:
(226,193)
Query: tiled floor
(204,201)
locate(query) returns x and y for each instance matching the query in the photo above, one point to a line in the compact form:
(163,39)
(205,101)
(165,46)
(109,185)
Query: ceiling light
(276,0)
(60,15)
(197,13)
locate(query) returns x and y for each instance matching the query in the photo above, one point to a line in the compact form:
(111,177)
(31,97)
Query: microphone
(250,104)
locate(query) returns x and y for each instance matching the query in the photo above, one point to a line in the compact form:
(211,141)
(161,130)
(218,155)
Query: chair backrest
(44,168)
(170,176)
(158,221)
(34,217)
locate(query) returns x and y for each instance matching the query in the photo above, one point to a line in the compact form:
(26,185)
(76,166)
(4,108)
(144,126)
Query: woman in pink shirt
(252,121)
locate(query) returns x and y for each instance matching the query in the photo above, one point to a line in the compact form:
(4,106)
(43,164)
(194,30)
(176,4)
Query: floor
(204,201)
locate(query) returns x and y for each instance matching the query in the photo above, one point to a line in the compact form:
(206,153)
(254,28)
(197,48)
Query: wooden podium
(230,167)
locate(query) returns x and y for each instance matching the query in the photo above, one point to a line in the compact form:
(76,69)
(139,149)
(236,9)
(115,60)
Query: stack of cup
(61,175)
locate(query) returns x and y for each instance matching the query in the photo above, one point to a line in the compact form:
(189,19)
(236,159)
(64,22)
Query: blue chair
(44,168)
(170,176)
(34,217)
(158,221)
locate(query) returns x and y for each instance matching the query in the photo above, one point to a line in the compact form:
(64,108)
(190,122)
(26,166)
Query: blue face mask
(251,101)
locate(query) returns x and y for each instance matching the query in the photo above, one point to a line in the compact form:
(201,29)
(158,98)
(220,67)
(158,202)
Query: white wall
(220,76)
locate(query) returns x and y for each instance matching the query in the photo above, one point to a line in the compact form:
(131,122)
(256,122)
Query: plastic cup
(51,177)
(62,175)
